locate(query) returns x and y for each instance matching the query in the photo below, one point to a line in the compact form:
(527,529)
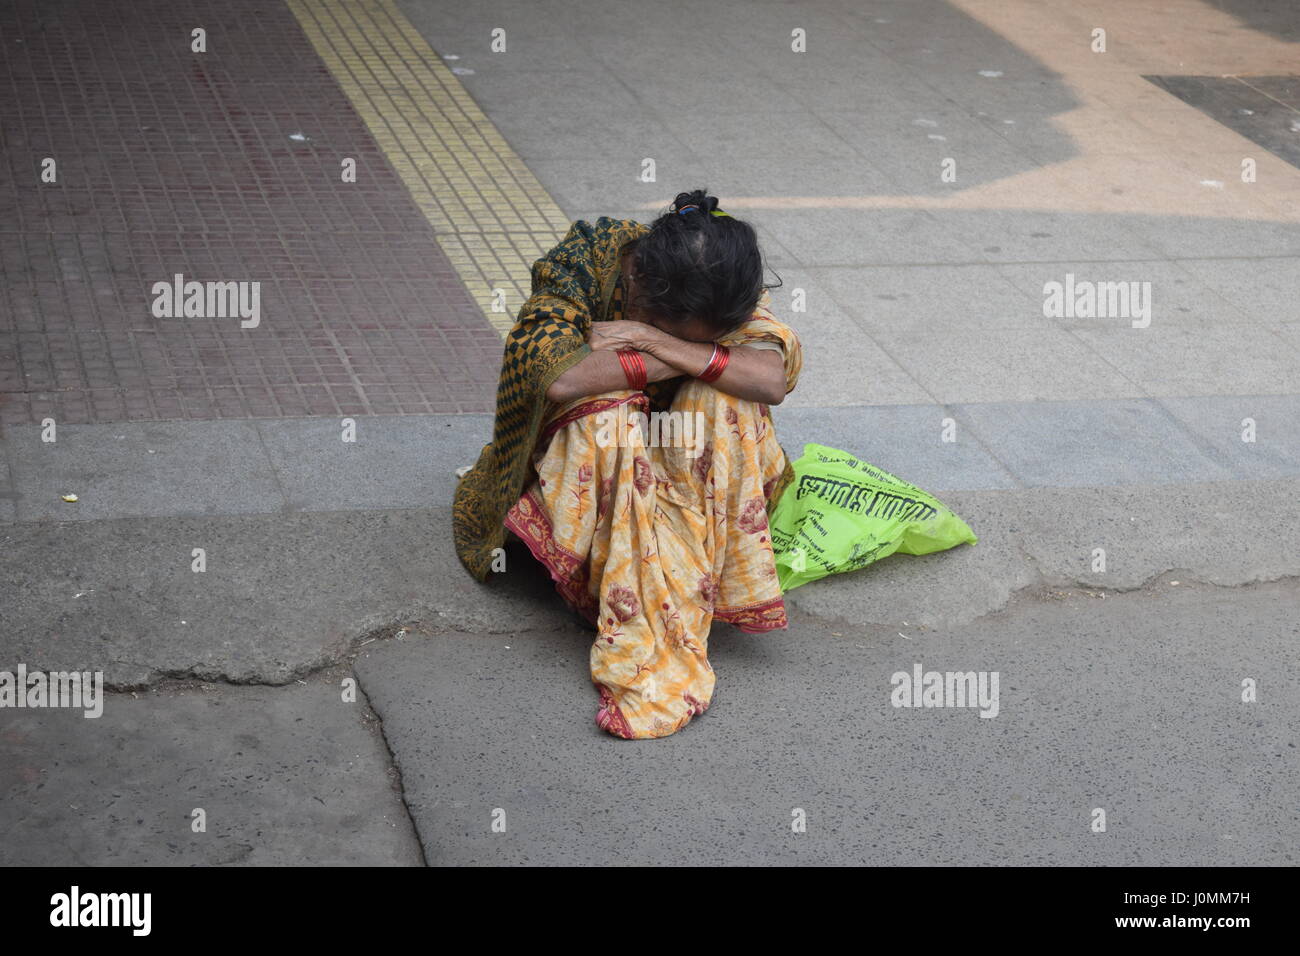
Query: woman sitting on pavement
(650,541)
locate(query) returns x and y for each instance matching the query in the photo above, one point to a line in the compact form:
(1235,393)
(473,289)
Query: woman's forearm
(757,375)
(602,372)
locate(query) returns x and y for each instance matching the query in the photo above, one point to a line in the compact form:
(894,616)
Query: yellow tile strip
(491,216)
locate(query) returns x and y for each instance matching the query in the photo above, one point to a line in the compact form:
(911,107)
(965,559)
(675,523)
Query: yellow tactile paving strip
(491,216)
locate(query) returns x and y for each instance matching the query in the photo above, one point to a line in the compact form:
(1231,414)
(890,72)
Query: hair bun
(698,197)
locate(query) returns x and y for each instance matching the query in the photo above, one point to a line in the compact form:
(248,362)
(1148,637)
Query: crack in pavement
(394,767)
(400,625)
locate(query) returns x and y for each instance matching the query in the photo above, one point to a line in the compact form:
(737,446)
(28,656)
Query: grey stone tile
(1218,422)
(993,365)
(510,94)
(1202,360)
(845,79)
(1198,237)
(563,132)
(611,180)
(688,70)
(1025,92)
(1042,235)
(842,364)
(905,440)
(1288,333)
(754,153)
(404,461)
(626,212)
(1266,289)
(472,24)
(931,297)
(530,48)
(776,256)
(1178,297)
(135,469)
(1088,444)
(842,235)
(1246,106)
(910,147)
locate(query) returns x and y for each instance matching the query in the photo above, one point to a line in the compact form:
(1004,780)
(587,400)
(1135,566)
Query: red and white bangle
(717,364)
(633,368)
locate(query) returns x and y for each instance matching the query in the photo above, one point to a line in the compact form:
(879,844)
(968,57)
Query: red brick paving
(177,162)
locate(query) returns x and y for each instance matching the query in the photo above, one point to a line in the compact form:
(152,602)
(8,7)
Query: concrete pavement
(1127,704)
(329,559)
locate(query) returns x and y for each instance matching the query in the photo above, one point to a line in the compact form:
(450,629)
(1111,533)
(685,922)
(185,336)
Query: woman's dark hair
(693,264)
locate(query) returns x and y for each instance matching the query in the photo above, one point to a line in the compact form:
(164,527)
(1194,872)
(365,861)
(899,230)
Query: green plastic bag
(841,514)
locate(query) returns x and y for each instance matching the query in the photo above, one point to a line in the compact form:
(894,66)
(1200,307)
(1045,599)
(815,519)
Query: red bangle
(717,364)
(634,369)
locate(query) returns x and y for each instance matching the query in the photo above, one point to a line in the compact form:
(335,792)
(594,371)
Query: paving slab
(906,440)
(406,461)
(1168,361)
(842,363)
(1225,533)
(1021,365)
(1045,235)
(1063,444)
(1220,423)
(1200,238)
(1151,730)
(1261,108)
(930,298)
(1264,288)
(135,469)
(284,776)
(1179,297)
(179,469)
(831,236)
(281,594)
(910,140)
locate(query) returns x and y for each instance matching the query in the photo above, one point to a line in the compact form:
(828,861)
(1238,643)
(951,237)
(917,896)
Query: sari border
(530,522)
(591,406)
(609,717)
(755,618)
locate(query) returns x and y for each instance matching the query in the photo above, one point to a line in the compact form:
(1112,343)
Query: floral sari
(654,533)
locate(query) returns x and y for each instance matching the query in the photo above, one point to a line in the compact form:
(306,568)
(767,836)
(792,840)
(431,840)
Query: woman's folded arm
(757,375)
(601,372)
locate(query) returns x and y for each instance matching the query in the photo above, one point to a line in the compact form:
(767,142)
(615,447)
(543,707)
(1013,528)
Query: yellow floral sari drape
(653,542)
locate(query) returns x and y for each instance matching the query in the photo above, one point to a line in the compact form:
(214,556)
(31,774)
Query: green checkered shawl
(573,285)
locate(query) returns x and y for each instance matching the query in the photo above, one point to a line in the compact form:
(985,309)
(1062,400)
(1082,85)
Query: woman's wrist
(669,349)
(657,369)
(687,357)
(656,342)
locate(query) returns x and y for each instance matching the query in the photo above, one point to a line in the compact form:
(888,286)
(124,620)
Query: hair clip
(685,209)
